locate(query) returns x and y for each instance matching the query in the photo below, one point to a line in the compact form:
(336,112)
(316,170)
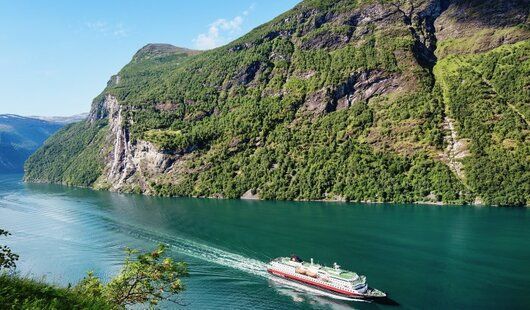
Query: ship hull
(319,286)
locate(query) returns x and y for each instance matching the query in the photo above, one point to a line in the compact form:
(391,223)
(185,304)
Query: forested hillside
(19,137)
(395,100)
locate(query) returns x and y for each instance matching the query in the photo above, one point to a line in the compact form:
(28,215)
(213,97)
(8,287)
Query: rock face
(456,150)
(130,163)
(465,17)
(479,26)
(251,194)
(347,82)
(364,87)
(359,87)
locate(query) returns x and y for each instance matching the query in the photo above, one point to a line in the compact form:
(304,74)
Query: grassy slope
(488,96)
(21,293)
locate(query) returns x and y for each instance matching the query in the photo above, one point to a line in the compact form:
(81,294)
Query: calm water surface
(425,257)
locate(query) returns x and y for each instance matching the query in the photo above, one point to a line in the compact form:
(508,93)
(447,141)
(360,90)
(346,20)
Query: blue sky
(55,56)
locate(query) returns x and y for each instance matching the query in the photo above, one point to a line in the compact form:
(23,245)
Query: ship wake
(211,254)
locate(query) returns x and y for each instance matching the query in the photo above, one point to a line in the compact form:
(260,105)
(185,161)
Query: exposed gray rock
(457,149)
(463,18)
(317,102)
(99,110)
(359,87)
(251,194)
(130,164)
(364,86)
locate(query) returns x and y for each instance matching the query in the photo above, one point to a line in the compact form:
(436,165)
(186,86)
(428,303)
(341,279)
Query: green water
(425,257)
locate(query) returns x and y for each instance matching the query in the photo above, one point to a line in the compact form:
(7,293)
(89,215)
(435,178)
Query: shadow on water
(387,301)
(305,295)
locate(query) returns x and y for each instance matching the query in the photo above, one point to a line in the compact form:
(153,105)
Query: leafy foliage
(7,257)
(23,293)
(488,95)
(150,278)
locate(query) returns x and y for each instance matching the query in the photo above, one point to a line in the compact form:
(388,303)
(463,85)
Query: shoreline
(256,198)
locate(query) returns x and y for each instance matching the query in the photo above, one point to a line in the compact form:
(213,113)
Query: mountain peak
(154,50)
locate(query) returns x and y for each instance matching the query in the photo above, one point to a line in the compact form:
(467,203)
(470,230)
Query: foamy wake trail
(207,253)
(178,244)
(221,257)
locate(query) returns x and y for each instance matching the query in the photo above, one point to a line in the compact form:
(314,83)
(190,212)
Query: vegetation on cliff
(73,156)
(488,95)
(345,100)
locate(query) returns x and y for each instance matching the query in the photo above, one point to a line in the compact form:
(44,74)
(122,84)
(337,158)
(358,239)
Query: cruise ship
(329,279)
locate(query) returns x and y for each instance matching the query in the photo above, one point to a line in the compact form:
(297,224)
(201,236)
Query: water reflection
(316,298)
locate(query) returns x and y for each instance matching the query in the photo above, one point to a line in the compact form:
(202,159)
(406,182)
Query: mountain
(20,136)
(63,119)
(394,100)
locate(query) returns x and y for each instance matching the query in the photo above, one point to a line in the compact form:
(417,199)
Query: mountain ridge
(336,100)
(63,119)
(20,136)
(154,50)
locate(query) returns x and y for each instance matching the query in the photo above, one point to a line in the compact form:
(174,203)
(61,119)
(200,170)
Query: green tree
(7,257)
(145,278)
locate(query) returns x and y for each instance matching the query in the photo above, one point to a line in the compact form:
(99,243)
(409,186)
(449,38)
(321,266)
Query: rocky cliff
(353,100)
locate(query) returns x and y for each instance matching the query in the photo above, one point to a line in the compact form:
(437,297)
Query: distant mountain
(63,119)
(355,100)
(20,136)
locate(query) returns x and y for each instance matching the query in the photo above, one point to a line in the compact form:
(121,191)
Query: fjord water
(423,256)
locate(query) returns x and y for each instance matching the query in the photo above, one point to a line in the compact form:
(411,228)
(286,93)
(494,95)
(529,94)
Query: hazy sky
(56,56)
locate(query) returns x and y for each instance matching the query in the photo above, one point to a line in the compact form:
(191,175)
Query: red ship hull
(318,285)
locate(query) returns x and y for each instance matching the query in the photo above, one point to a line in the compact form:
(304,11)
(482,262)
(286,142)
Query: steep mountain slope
(19,138)
(410,100)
